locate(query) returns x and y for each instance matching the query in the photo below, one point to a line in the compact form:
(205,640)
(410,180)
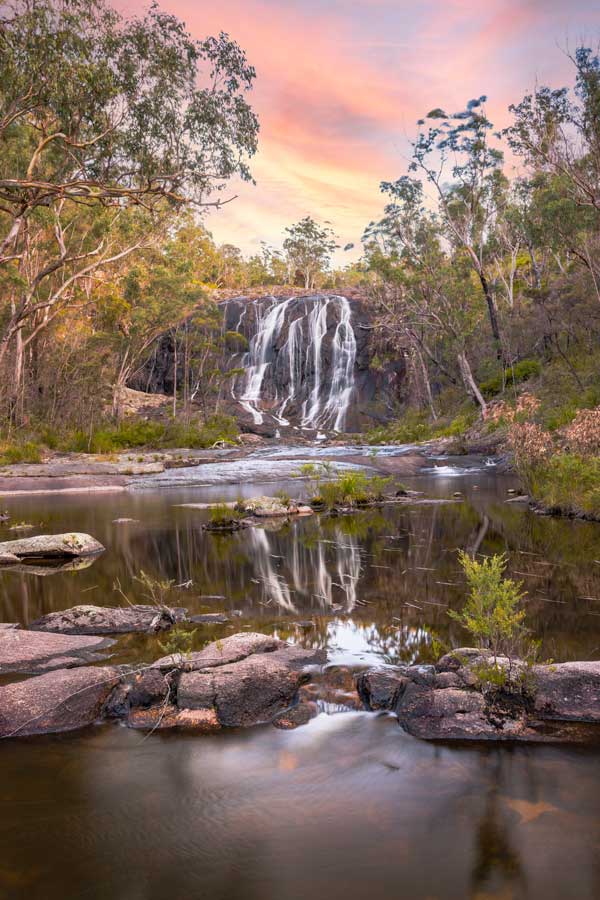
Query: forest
(479,279)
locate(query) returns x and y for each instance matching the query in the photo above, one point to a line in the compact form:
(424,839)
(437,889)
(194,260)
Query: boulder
(31,652)
(568,691)
(8,559)
(381,688)
(110,619)
(159,718)
(137,691)
(52,546)
(220,653)
(301,714)
(449,713)
(250,691)
(59,701)
(546,703)
(265,507)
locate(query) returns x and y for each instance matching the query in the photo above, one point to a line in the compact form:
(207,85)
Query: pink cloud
(341,84)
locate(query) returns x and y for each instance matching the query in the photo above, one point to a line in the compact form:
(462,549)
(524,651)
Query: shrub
(12,453)
(135,433)
(491,615)
(521,371)
(568,483)
(583,434)
(347,489)
(223,515)
(412,427)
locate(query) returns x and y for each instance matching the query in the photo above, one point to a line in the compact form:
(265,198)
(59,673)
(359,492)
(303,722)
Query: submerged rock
(31,652)
(209,619)
(110,619)
(59,701)
(52,546)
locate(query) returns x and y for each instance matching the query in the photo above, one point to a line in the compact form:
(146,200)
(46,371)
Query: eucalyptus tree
(428,295)
(557,133)
(100,114)
(456,157)
(309,248)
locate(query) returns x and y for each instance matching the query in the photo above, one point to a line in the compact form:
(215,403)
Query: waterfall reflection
(326,571)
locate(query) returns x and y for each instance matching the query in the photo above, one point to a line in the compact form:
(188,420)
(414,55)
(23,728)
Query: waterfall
(261,345)
(342,375)
(304,376)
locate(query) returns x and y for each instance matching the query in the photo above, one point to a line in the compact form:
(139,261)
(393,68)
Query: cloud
(341,84)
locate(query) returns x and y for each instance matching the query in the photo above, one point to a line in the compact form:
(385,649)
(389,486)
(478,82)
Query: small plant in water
(493,618)
(156,590)
(284,497)
(179,643)
(222,515)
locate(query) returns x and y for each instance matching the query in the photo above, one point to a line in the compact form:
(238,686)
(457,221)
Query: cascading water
(300,362)
(261,347)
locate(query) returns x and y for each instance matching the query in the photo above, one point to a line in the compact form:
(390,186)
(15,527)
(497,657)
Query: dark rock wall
(378,372)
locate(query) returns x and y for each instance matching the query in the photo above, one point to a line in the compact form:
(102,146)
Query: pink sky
(341,83)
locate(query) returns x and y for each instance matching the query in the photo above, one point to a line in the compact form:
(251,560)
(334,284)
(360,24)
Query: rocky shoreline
(249,679)
(445,702)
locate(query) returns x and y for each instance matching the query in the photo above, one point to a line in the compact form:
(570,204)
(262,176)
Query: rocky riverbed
(252,678)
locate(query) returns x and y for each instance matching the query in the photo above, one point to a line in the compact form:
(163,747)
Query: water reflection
(376,584)
(346,807)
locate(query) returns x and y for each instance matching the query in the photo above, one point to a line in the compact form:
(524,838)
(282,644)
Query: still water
(347,806)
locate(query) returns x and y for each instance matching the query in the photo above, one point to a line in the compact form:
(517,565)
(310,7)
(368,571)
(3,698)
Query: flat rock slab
(110,620)
(59,701)
(209,619)
(8,559)
(221,653)
(32,652)
(53,546)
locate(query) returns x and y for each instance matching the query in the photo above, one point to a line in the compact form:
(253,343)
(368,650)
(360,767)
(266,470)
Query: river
(347,806)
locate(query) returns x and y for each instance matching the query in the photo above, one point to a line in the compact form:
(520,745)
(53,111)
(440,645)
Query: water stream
(347,806)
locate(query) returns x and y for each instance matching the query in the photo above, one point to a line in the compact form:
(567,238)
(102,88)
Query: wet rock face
(221,653)
(319,354)
(110,620)
(568,691)
(244,680)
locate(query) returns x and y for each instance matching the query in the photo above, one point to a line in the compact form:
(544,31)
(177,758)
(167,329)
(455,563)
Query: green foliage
(14,452)
(309,248)
(157,591)
(567,483)
(222,515)
(491,614)
(521,371)
(152,434)
(411,428)
(346,489)
(179,642)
